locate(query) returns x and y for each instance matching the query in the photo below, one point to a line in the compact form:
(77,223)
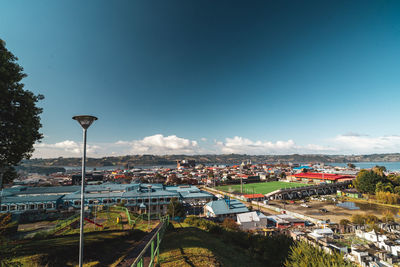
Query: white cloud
(161,145)
(361,144)
(203,139)
(242,145)
(65,148)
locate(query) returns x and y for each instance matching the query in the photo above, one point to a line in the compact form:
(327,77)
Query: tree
(19,115)
(304,254)
(351,165)
(344,222)
(366,181)
(175,209)
(379,170)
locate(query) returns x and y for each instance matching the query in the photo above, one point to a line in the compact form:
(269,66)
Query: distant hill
(143,160)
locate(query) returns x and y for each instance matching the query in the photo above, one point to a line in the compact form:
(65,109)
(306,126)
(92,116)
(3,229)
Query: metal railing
(153,244)
(64,223)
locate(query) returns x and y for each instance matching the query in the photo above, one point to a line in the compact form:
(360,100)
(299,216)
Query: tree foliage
(230,224)
(303,254)
(364,219)
(387,197)
(366,181)
(176,209)
(19,115)
(271,250)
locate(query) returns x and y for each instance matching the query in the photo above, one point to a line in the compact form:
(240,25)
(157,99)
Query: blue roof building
(137,197)
(224,208)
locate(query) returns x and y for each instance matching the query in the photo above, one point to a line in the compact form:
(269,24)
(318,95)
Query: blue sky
(258,77)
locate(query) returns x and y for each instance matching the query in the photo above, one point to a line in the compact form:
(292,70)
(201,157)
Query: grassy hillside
(191,246)
(200,242)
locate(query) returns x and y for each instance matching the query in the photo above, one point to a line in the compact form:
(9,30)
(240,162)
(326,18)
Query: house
(252,221)
(284,221)
(321,233)
(224,208)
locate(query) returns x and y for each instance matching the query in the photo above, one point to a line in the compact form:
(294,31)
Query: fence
(64,223)
(153,244)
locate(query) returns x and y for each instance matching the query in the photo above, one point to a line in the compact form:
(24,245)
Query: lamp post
(149,189)
(85,121)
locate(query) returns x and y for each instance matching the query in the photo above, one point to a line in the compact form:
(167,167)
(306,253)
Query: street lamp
(149,189)
(85,121)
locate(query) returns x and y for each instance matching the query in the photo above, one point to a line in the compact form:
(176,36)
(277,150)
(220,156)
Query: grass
(190,246)
(103,246)
(259,188)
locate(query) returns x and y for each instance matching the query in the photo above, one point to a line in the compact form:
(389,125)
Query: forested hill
(138,160)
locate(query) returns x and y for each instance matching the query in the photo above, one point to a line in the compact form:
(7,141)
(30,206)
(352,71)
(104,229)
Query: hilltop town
(315,203)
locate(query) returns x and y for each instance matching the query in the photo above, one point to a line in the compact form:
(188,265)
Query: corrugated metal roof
(27,199)
(220,206)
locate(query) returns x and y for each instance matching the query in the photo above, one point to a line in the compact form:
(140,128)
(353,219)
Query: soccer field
(262,188)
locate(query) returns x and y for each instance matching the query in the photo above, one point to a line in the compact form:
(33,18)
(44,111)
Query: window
(131,201)
(49,205)
(4,208)
(40,206)
(118,200)
(13,207)
(161,200)
(77,202)
(146,200)
(168,199)
(154,200)
(91,201)
(32,206)
(21,207)
(139,200)
(154,207)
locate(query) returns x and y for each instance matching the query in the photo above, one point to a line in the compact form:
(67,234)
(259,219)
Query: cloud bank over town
(158,144)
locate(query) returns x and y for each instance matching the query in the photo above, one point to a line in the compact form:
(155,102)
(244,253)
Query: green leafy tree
(303,254)
(379,170)
(175,209)
(366,181)
(351,165)
(19,116)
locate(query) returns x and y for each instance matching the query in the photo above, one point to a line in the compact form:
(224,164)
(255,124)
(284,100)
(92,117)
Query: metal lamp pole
(149,188)
(85,121)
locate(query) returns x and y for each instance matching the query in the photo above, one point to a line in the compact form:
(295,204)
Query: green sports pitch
(261,188)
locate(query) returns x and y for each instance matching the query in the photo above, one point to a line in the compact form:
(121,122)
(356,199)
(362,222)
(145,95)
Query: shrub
(230,224)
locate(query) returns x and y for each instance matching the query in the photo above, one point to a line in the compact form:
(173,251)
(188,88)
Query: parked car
(323,210)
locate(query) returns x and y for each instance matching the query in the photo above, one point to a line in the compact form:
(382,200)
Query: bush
(304,254)
(230,224)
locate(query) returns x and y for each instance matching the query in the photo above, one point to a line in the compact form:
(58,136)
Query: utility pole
(149,189)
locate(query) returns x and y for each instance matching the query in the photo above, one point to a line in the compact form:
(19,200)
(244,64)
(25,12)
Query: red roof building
(317,177)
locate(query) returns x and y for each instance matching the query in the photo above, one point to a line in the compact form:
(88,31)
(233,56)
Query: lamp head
(85,120)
